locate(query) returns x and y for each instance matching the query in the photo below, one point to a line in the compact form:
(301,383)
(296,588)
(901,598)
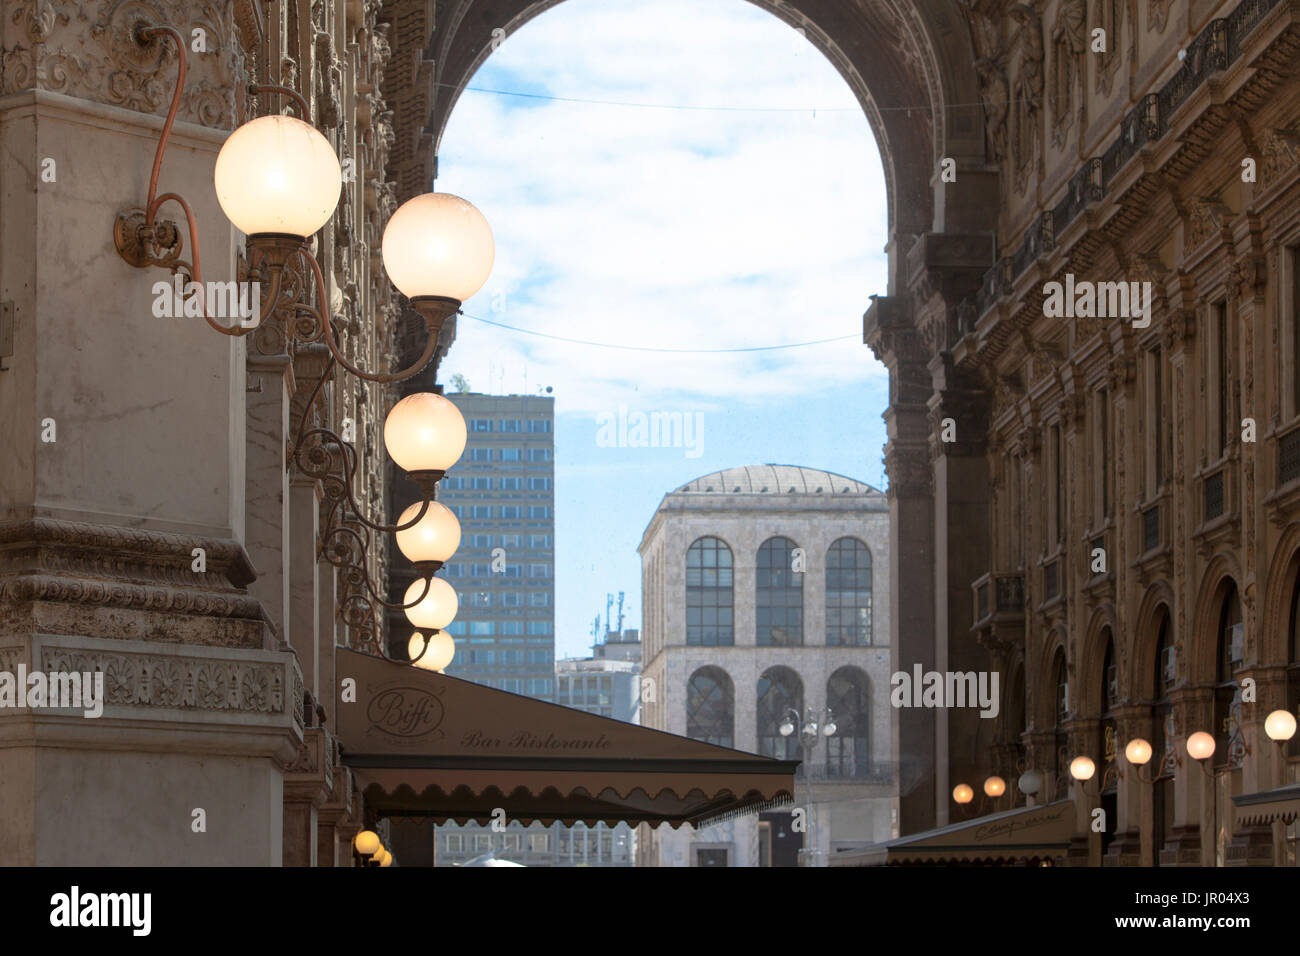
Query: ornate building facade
(1112,501)
(1023,143)
(155,524)
(765,598)
(1148,141)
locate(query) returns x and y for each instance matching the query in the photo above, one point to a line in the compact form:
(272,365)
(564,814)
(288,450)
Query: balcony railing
(1217,47)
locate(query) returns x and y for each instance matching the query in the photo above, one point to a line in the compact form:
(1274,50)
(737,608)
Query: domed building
(765,608)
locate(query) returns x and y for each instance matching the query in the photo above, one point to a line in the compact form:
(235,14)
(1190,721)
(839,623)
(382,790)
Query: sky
(725,194)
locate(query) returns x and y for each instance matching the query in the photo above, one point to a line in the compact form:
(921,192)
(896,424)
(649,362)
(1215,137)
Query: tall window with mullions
(780,697)
(709,594)
(1109,742)
(1293,665)
(710,707)
(778,608)
(1227,690)
(848,593)
(1162,790)
(848,750)
(1059,742)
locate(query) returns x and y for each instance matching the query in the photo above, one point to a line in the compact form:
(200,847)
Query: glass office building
(503,492)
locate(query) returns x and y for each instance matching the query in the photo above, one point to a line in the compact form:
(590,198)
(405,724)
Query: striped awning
(1025,836)
(1257,809)
(429,745)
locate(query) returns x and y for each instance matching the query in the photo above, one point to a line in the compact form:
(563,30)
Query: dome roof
(776,479)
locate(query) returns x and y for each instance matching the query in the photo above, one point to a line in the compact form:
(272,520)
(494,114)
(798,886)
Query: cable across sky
(647,348)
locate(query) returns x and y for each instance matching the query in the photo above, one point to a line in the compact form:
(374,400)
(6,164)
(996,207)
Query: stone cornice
(114,551)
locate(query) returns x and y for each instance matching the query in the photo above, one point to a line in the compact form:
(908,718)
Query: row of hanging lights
(278,178)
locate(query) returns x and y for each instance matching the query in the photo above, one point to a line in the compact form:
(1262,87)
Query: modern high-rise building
(503,493)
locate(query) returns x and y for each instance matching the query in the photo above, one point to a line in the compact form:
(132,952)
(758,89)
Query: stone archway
(911,66)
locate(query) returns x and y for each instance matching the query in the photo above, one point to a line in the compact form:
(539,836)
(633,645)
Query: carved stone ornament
(1158,15)
(1027,92)
(1208,216)
(1249,277)
(1281,155)
(1068,65)
(910,472)
(162,680)
(46,46)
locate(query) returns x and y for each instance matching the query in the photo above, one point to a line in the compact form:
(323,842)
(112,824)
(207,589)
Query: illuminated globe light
(1082,768)
(1280,725)
(277,174)
(1137,752)
(425,432)
(1200,746)
(435,537)
(438,245)
(963,793)
(386,859)
(367,842)
(436,656)
(436,609)
(1030,782)
(995,786)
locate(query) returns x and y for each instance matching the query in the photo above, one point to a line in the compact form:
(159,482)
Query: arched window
(1162,749)
(779,692)
(1227,659)
(848,593)
(848,750)
(1109,741)
(710,707)
(709,593)
(1013,719)
(1062,715)
(1109,698)
(1293,668)
(778,605)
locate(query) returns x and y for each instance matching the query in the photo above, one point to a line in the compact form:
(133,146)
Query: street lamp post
(809,737)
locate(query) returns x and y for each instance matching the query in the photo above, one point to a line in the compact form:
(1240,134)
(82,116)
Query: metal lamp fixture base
(435,310)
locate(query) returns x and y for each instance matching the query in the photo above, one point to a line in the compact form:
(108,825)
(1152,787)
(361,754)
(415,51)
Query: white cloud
(701,229)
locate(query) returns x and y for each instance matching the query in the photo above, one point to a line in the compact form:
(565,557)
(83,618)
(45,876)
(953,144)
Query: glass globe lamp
(278,176)
(425,434)
(436,609)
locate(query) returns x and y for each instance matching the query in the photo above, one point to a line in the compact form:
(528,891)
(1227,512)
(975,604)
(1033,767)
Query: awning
(425,744)
(1023,836)
(1267,806)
